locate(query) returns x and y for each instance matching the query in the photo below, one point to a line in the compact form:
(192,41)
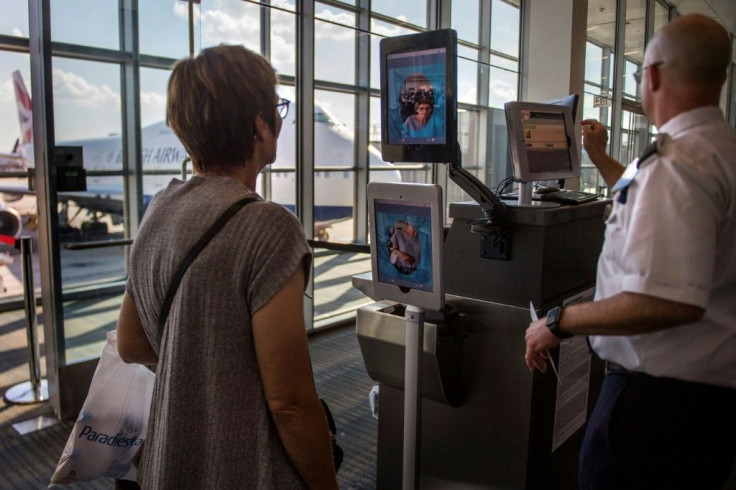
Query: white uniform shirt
(675,238)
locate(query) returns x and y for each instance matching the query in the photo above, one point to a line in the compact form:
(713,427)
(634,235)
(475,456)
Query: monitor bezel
(421,153)
(519,156)
(405,192)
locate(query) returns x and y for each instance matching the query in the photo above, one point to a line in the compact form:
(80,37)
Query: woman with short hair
(234,404)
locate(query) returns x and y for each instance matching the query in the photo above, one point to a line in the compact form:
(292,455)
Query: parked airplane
(161,150)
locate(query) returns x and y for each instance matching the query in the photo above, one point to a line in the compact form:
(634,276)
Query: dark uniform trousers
(648,432)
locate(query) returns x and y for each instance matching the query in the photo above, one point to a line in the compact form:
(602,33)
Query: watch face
(553,315)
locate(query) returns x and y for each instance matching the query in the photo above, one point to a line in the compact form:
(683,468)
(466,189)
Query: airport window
(163,35)
(14,21)
(634,38)
(465,15)
(334,58)
(334,156)
(505,27)
(12,142)
(503,86)
(631,88)
(283,41)
(411,11)
(598,67)
(153,95)
(620,111)
(99,26)
(164,28)
(467,75)
(87,105)
(661,15)
(374,125)
(229,22)
(630,144)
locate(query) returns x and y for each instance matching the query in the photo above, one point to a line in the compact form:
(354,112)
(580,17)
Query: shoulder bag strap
(192,254)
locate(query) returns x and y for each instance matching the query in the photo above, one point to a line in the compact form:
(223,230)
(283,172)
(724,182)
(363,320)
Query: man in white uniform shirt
(664,315)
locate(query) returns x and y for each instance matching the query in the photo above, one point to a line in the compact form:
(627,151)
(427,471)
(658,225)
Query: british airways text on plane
(334,147)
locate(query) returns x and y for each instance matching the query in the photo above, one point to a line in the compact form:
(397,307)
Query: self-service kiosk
(484,420)
(487,422)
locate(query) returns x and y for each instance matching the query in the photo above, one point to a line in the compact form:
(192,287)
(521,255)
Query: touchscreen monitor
(407,243)
(418,103)
(542,141)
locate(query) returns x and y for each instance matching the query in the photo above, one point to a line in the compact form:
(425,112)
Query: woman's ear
(261,129)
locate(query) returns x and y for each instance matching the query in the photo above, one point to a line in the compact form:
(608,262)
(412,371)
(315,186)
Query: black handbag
(337,452)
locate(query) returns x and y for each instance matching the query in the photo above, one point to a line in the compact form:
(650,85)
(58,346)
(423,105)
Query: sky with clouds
(86,93)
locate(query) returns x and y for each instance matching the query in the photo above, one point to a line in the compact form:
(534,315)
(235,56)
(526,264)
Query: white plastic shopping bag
(112,424)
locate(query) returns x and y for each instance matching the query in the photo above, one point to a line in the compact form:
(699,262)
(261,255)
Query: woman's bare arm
(133,345)
(283,358)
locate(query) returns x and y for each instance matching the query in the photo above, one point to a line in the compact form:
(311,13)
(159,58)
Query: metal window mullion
(13,44)
(485,126)
(266,189)
(265,33)
(524,46)
(618,69)
(362,122)
(39,20)
(304,202)
(130,83)
(438,14)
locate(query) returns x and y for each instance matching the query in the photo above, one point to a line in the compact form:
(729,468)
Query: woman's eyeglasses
(283,107)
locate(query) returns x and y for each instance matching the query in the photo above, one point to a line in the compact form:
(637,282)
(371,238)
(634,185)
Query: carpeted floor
(28,461)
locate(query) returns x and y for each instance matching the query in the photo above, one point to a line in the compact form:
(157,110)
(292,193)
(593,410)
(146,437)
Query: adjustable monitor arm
(496,236)
(493,208)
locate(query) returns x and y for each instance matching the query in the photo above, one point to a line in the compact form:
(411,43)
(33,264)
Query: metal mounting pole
(36,390)
(413,397)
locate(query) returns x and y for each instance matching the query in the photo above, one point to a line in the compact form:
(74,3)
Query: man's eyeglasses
(637,74)
(283,107)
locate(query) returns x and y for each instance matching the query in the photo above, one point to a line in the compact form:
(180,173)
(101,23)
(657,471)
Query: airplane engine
(10,222)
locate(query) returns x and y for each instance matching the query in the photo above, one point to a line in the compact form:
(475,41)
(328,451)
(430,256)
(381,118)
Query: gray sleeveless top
(210,426)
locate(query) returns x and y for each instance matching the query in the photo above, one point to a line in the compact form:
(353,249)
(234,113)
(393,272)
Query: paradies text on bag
(117,440)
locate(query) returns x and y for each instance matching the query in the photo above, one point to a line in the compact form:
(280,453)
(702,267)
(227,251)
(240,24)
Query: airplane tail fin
(25,109)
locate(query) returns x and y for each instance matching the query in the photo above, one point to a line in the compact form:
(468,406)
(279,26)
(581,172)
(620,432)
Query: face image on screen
(416,97)
(403,243)
(545,139)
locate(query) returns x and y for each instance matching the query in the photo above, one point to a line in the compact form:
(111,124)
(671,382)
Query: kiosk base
(503,434)
(487,422)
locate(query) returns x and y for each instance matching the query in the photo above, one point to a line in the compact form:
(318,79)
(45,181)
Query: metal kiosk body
(487,422)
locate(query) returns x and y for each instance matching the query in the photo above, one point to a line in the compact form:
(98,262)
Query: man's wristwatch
(553,323)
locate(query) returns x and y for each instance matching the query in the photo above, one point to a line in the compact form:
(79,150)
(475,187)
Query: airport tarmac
(333,271)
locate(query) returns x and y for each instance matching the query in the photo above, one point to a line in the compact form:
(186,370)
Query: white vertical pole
(413,396)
